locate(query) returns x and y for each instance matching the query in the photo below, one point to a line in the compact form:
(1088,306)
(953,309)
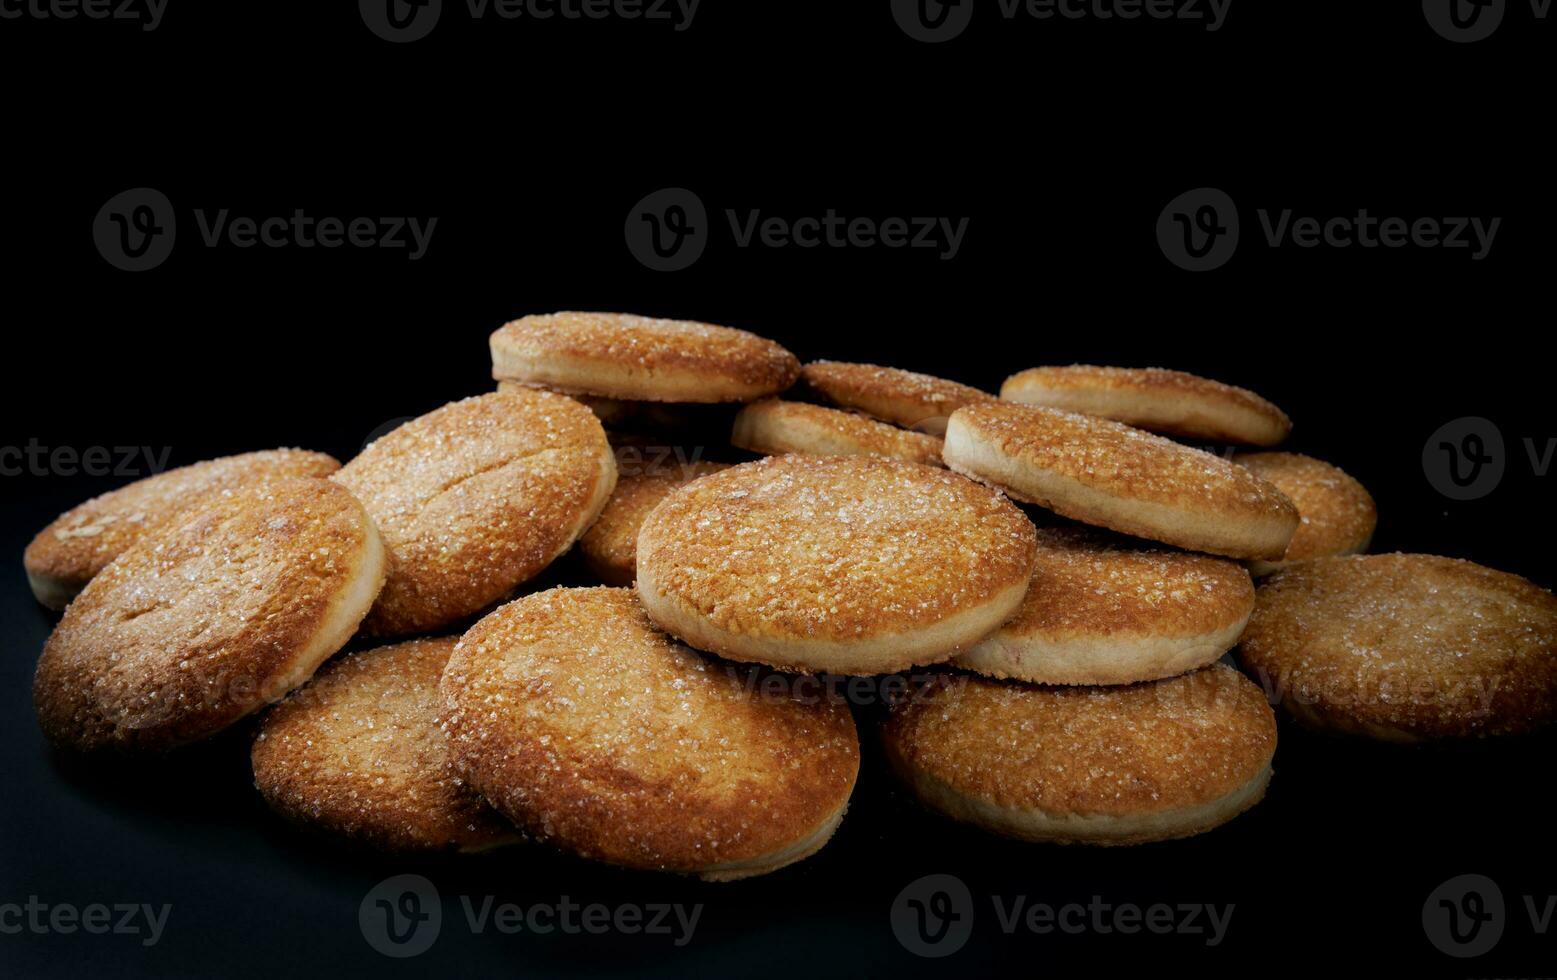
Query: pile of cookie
(1062,577)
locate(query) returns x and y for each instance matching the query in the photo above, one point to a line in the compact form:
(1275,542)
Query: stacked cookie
(1070,692)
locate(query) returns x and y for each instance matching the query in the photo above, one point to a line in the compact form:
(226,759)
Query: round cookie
(836,564)
(1174,402)
(81,542)
(1107,610)
(592,729)
(1336,514)
(185,633)
(637,358)
(358,753)
(772,427)
(906,398)
(610,546)
(1111,475)
(1406,648)
(1087,765)
(477,497)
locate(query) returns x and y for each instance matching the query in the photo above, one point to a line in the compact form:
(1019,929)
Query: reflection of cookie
(233,607)
(589,727)
(1406,647)
(771,427)
(477,497)
(1107,610)
(1154,398)
(610,546)
(1087,765)
(358,752)
(906,398)
(1337,514)
(843,564)
(617,355)
(1108,474)
(66,554)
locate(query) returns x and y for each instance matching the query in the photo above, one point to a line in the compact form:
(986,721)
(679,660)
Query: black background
(1059,141)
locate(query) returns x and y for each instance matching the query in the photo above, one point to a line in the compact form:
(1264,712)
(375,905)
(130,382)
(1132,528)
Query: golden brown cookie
(1109,610)
(906,398)
(610,546)
(228,610)
(772,427)
(358,753)
(1087,765)
(1104,473)
(82,541)
(1405,648)
(590,728)
(1336,514)
(838,564)
(637,358)
(1174,402)
(477,497)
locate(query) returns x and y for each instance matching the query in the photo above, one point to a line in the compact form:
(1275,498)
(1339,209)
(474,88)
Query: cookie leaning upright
(358,753)
(1406,647)
(475,498)
(185,633)
(1158,399)
(83,540)
(843,564)
(1114,476)
(592,729)
(621,356)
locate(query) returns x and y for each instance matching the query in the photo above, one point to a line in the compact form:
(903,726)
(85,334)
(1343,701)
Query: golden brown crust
(772,427)
(1109,610)
(905,398)
(1043,760)
(618,355)
(83,540)
(1337,515)
(610,546)
(592,729)
(833,562)
(358,753)
(1406,647)
(182,635)
(477,497)
(1108,474)
(1154,398)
